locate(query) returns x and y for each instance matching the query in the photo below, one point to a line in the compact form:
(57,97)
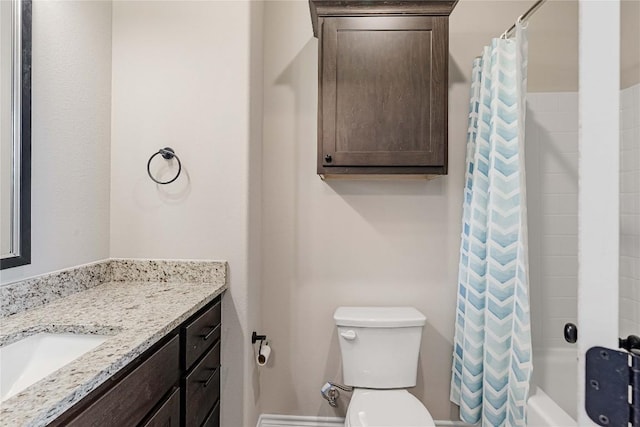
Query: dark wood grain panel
(440,91)
(383,92)
(168,414)
(323,8)
(383,170)
(201,334)
(131,399)
(213,419)
(201,388)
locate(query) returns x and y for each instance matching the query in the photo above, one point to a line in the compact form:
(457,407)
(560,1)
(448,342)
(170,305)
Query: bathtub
(542,411)
(553,395)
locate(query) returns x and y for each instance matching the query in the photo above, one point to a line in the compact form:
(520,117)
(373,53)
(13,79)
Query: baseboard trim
(273,420)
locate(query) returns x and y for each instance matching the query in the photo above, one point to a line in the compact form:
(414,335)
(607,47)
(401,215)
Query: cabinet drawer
(202,388)
(213,419)
(200,334)
(130,400)
(168,415)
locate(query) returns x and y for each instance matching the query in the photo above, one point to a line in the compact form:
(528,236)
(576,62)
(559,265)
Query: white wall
(252,391)
(71,100)
(553,38)
(630,211)
(181,78)
(333,243)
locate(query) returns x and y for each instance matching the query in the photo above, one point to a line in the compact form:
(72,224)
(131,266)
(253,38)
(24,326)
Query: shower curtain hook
(522,21)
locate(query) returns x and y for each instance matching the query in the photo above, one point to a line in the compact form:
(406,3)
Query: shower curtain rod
(533,9)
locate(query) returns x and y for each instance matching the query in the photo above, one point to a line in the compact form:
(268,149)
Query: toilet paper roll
(263,355)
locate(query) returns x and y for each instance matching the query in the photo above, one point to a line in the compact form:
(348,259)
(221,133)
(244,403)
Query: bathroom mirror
(15,132)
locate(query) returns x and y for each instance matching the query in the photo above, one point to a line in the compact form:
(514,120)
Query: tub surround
(37,291)
(630,210)
(141,303)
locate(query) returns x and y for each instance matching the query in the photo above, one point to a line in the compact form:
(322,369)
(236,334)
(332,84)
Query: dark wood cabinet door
(201,388)
(213,419)
(383,92)
(132,398)
(168,414)
(200,334)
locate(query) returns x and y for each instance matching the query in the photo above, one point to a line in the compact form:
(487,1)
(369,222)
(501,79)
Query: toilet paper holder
(263,354)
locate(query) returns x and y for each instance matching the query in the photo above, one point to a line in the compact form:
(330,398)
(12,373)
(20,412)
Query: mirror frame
(22,141)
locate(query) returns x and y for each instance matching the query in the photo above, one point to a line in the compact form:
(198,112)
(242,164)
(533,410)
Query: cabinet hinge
(612,395)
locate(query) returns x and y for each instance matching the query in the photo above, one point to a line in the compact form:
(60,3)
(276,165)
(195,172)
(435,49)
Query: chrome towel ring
(168,154)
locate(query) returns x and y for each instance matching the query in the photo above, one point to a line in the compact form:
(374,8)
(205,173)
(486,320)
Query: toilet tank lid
(379,317)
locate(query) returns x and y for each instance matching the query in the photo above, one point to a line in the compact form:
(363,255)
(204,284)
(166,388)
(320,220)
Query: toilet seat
(386,408)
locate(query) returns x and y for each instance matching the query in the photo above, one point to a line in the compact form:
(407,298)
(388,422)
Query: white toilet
(380,347)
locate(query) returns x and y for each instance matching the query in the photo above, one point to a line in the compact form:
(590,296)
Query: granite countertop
(135,315)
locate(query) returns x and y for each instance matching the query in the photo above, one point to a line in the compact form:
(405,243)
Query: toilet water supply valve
(331,394)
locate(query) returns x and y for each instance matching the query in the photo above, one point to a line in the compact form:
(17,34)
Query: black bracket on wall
(255,338)
(612,395)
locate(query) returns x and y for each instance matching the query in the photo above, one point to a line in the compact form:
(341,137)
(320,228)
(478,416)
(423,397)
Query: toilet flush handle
(348,335)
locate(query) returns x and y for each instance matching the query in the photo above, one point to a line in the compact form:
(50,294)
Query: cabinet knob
(328,158)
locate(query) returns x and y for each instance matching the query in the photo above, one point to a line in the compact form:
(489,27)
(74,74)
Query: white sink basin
(30,359)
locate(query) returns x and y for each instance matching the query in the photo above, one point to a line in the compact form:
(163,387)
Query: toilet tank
(379,345)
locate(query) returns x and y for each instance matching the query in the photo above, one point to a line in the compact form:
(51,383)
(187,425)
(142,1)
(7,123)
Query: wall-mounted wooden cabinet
(383,71)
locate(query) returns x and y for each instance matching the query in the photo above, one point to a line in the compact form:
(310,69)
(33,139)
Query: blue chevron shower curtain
(492,344)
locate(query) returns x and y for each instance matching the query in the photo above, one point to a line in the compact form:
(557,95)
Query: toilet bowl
(380,348)
(386,408)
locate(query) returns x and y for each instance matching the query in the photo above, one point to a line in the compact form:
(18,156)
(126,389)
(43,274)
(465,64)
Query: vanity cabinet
(383,86)
(174,383)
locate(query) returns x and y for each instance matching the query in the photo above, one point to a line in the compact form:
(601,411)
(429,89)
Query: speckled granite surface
(136,314)
(166,270)
(34,292)
(26,294)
